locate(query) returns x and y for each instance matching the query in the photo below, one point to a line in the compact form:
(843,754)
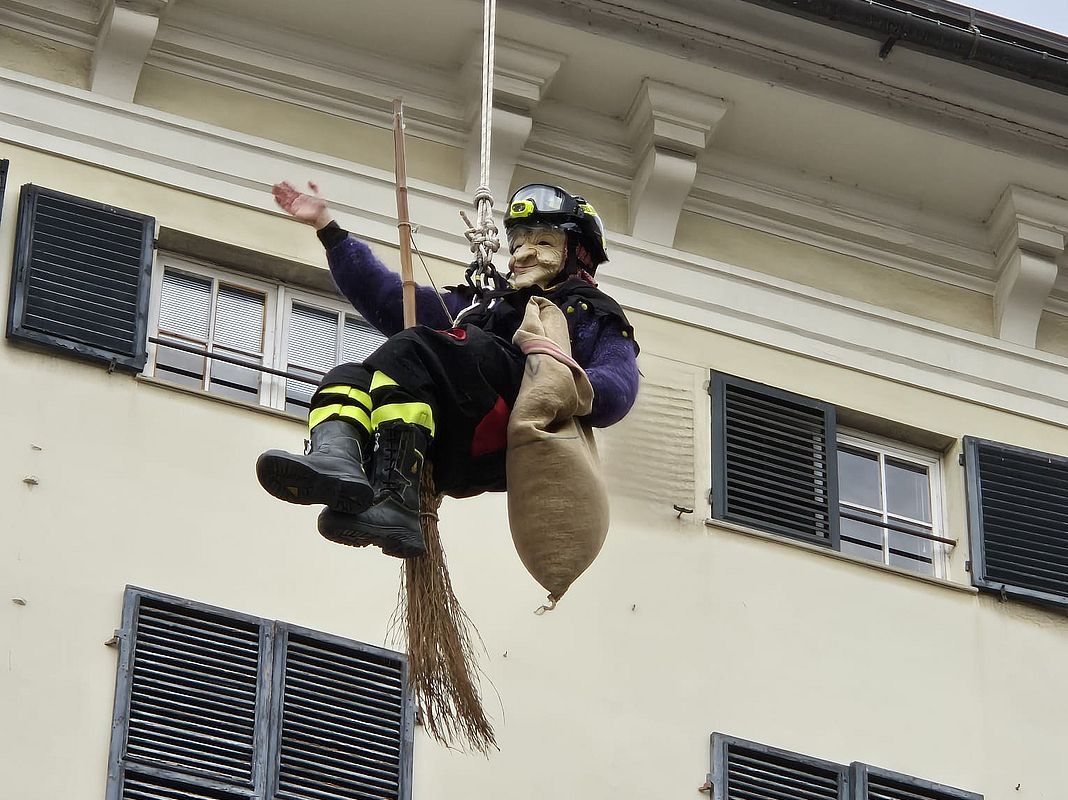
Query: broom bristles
(442,660)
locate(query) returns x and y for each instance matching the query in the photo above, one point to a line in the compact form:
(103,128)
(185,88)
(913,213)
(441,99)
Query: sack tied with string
(557,500)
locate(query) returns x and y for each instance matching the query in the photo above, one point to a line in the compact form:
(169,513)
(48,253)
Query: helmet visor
(538,198)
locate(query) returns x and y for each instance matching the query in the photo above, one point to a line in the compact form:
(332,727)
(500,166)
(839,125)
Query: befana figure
(442,391)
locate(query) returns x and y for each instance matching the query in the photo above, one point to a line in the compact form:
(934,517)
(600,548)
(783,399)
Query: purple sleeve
(375,290)
(613,372)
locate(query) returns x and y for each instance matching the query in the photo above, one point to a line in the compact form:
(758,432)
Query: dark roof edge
(946,30)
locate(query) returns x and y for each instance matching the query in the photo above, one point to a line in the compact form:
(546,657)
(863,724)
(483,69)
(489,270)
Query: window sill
(173,387)
(733,527)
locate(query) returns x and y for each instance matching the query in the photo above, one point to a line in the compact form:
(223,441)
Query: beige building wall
(679,628)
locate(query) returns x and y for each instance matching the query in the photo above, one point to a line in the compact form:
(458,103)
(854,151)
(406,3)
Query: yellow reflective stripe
(380,379)
(415,413)
(588,209)
(360,396)
(352,413)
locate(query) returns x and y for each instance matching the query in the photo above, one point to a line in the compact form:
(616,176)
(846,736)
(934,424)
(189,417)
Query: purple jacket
(597,343)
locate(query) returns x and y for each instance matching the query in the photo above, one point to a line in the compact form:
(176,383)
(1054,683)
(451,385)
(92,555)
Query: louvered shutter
(215,705)
(1018,520)
(4,163)
(744,770)
(346,728)
(872,783)
(191,700)
(774,460)
(81,279)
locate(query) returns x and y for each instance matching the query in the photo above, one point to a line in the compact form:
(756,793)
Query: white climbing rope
(483,233)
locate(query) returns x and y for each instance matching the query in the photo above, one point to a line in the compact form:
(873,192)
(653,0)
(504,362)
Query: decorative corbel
(668,127)
(127,30)
(521,76)
(1030,231)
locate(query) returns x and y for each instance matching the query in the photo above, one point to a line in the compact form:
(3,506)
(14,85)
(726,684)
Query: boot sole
(288,479)
(398,543)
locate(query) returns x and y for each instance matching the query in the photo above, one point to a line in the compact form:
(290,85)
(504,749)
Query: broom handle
(403,222)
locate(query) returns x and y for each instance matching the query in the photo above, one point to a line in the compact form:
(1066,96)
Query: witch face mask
(537,256)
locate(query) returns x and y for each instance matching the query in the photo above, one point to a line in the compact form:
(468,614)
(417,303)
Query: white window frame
(278,309)
(218,277)
(286,298)
(903,452)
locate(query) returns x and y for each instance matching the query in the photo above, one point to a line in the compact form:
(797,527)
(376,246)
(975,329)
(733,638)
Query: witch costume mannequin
(443,389)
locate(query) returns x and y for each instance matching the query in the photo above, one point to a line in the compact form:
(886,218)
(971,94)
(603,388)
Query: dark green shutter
(191,703)
(774,460)
(215,705)
(82,277)
(4,163)
(872,783)
(346,719)
(744,770)
(1018,520)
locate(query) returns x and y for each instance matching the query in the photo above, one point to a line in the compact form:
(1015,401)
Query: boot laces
(389,454)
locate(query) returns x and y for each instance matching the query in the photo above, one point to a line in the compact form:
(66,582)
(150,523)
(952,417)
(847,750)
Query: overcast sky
(1050,15)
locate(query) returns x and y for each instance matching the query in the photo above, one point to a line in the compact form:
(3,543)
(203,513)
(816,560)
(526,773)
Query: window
(251,330)
(212,316)
(317,338)
(889,506)
(80,281)
(1017,521)
(744,770)
(781,464)
(214,704)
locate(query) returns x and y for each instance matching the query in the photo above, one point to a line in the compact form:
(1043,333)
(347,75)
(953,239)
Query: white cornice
(813,59)
(127,30)
(220,47)
(681,120)
(575,144)
(70,23)
(668,127)
(1031,231)
(521,74)
(239,169)
(583,142)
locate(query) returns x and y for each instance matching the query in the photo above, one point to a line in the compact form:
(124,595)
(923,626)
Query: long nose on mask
(526,255)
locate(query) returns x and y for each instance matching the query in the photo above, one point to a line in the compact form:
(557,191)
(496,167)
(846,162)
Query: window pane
(908,490)
(178,366)
(231,380)
(312,349)
(360,340)
(312,338)
(858,477)
(912,552)
(239,319)
(298,393)
(861,538)
(185,304)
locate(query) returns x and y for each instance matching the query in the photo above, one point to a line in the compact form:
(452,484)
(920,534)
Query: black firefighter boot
(331,473)
(393,522)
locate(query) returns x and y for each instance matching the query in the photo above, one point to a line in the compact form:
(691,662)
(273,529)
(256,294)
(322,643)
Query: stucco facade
(874,292)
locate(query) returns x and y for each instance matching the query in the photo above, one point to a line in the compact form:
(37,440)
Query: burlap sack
(557,502)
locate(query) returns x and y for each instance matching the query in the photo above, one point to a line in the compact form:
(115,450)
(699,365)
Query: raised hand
(310,209)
